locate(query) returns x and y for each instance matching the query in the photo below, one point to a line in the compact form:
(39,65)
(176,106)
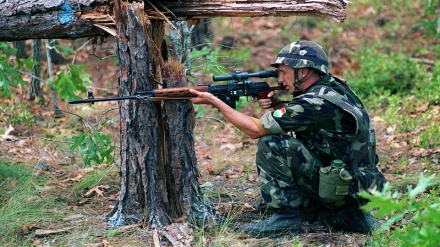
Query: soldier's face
(285,77)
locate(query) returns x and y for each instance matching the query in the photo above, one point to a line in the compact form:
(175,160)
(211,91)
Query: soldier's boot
(275,225)
(351,219)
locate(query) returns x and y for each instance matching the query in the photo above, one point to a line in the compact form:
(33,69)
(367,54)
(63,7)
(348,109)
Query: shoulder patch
(279,113)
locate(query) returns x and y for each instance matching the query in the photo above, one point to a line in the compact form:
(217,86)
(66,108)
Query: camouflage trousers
(289,177)
(288,172)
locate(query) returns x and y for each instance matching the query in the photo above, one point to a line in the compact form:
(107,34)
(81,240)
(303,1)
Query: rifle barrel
(81,101)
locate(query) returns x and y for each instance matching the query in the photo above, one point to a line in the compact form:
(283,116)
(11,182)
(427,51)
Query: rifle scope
(239,76)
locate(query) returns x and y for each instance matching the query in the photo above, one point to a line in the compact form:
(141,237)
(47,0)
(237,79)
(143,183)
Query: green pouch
(334,182)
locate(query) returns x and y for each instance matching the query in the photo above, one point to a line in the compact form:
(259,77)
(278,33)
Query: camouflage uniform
(320,152)
(326,122)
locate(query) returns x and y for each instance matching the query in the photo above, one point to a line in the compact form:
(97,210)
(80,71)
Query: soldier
(313,155)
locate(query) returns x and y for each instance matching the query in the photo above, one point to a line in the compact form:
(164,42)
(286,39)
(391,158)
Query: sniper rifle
(238,84)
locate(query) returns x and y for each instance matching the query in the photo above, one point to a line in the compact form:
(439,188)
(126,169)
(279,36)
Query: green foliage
(243,102)
(89,181)
(208,59)
(17,113)
(10,75)
(382,72)
(430,138)
(411,112)
(65,50)
(12,172)
(418,214)
(69,82)
(21,204)
(200,111)
(95,147)
(214,60)
(432,14)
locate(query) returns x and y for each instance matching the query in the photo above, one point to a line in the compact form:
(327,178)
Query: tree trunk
(55,57)
(159,176)
(40,19)
(201,34)
(49,48)
(86,18)
(34,91)
(186,197)
(21,49)
(143,196)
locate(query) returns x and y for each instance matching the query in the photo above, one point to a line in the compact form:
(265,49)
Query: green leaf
(29,63)
(69,82)
(65,50)
(424,182)
(94,146)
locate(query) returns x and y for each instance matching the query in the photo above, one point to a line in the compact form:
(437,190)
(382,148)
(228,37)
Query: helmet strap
(297,83)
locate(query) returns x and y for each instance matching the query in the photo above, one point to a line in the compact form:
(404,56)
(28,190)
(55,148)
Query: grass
(29,202)
(22,205)
(94,178)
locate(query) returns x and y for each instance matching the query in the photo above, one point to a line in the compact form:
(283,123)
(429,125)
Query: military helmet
(303,54)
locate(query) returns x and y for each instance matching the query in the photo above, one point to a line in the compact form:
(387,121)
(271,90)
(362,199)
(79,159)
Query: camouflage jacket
(331,121)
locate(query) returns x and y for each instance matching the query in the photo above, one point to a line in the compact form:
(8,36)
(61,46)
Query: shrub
(380,72)
(418,211)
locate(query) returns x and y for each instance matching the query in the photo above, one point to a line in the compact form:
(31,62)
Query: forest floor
(225,156)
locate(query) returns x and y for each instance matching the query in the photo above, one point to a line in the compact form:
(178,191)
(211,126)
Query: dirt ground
(225,156)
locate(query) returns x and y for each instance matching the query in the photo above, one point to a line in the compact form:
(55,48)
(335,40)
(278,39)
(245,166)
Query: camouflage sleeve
(269,123)
(300,115)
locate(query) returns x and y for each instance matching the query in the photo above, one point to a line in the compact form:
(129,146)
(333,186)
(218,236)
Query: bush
(17,113)
(10,75)
(418,211)
(380,73)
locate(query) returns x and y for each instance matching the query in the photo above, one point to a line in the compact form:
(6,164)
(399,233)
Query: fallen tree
(40,19)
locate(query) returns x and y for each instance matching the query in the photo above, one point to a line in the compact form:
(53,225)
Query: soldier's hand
(202,97)
(267,102)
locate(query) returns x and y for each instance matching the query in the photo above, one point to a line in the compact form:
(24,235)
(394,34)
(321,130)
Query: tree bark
(21,49)
(34,91)
(143,196)
(159,176)
(40,19)
(186,197)
(201,34)
(196,9)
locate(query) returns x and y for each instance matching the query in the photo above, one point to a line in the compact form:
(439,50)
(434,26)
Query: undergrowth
(22,206)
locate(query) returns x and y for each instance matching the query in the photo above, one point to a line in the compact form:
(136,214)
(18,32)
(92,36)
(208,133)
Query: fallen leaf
(252,177)
(77,175)
(6,136)
(419,152)
(377,119)
(422,107)
(391,129)
(231,146)
(36,242)
(97,190)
